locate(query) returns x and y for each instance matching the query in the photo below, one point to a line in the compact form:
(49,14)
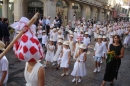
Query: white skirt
(64,62)
(126,40)
(79,69)
(56,57)
(49,56)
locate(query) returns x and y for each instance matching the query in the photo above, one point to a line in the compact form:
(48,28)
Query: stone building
(89,9)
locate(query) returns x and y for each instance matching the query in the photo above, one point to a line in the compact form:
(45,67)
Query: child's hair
(1,51)
(105,39)
(52,42)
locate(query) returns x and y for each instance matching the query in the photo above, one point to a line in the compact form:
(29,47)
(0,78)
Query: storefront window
(11,11)
(0,8)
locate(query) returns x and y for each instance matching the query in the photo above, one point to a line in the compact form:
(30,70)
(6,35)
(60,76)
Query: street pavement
(53,77)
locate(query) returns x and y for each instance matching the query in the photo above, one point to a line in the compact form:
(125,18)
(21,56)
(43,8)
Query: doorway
(35,6)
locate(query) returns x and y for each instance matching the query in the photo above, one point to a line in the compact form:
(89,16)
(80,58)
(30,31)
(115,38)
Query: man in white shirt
(3,67)
(86,40)
(99,49)
(90,32)
(48,24)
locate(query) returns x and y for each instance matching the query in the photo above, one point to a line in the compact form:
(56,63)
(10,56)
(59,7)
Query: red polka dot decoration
(28,48)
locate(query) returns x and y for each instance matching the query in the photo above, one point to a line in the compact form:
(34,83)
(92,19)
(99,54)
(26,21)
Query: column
(100,15)
(50,9)
(70,12)
(17,9)
(5,9)
(93,13)
(84,13)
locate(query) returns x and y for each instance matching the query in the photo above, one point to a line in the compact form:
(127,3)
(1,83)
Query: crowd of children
(63,44)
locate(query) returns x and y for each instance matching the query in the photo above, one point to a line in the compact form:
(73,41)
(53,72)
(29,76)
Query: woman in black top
(112,67)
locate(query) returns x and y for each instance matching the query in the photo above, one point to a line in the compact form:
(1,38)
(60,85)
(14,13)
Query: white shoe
(95,70)
(101,61)
(99,69)
(79,80)
(53,64)
(63,74)
(74,80)
(67,73)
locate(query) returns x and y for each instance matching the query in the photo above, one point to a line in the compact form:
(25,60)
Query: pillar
(100,17)
(5,9)
(95,13)
(70,12)
(50,9)
(17,9)
(84,14)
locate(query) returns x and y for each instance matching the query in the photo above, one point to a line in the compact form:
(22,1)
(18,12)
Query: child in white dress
(32,72)
(58,51)
(79,66)
(51,31)
(105,48)
(71,44)
(39,34)
(110,39)
(127,38)
(60,34)
(54,36)
(65,58)
(86,40)
(44,40)
(75,35)
(76,48)
(50,52)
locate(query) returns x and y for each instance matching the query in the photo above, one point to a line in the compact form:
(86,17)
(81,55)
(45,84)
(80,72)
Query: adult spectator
(48,24)
(1,32)
(5,30)
(59,22)
(44,23)
(113,66)
(55,22)
(3,66)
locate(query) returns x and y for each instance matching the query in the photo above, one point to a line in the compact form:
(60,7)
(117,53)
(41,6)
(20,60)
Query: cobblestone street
(53,78)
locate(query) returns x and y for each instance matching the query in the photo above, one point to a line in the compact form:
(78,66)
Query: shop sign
(35,4)
(74,7)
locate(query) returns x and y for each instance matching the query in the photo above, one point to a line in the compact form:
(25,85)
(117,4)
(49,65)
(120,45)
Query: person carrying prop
(4,64)
(27,48)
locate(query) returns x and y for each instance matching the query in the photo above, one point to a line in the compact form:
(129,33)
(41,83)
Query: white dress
(50,54)
(127,38)
(105,48)
(110,42)
(79,69)
(71,47)
(65,58)
(75,36)
(32,78)
(76,50)
(56,57)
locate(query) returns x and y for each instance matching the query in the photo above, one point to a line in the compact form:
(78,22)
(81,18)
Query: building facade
(87,9)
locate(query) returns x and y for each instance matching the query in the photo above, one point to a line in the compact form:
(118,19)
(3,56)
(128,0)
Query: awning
(122,15)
